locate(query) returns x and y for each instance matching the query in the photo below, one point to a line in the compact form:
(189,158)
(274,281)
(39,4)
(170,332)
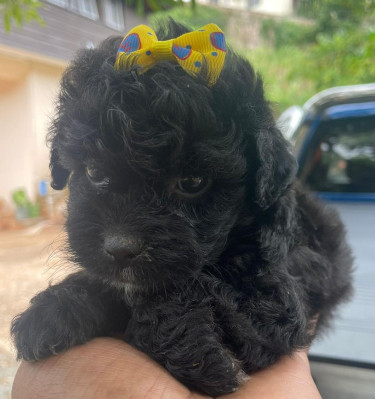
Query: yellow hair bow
(204,48)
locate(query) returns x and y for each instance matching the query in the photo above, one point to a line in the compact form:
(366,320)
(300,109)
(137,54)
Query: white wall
(276,7)
(17,140)
(44,84)
(26,106)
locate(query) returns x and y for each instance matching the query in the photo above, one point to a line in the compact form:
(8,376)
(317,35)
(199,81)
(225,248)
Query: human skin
(110,368)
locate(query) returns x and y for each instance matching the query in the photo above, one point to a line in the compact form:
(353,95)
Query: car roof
(339,95)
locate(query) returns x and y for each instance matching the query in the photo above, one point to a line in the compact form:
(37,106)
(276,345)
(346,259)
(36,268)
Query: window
(342,157)
(114,14)
(86,8)
(61,3)
(252,3)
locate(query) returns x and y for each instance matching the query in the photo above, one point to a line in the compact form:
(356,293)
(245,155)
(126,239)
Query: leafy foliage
(286,33)
(337,49)
(284,86)
(342,59)
(19,11)
(330,17)
(143,7)
(191,18)
(337,15)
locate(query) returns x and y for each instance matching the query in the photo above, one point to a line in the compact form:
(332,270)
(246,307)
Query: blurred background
(306,50)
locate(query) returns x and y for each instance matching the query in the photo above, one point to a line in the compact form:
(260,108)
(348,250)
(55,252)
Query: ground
(29,259)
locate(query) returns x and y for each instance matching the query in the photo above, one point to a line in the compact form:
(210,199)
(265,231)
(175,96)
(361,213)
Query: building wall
(16,138)
(273,7)
(44,85)
(27,92)
(63,34)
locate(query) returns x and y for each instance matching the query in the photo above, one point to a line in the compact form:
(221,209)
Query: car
(333,138)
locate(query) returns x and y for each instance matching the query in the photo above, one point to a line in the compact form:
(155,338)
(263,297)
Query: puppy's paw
(220,374)
(36,336)
(206,366)
(54,322)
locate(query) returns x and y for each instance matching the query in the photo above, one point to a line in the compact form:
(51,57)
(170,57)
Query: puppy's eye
(96,177)
(192,186)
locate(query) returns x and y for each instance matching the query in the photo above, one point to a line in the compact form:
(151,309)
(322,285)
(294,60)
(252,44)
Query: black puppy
(194,240)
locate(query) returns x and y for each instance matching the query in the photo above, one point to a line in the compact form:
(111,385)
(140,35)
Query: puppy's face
(161,167)
(158,184)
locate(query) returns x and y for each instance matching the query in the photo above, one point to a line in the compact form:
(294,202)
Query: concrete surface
(28,260)
(353,337)
(342,382)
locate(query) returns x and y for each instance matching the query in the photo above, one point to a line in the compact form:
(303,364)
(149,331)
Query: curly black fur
(219,284)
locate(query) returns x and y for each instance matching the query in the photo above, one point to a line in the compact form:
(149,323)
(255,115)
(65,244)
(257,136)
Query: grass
(277,67)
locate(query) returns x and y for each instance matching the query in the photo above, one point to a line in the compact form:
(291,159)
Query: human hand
(109,368)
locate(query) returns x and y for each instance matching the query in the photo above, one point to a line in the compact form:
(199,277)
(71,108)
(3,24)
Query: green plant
(283,88)
(19,11)
(345,58)
(337,15)
(22,202)
(287,33)
(145,6)
(193,19)
(337,50)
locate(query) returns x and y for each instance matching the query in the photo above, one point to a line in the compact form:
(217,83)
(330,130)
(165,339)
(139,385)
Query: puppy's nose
(122,247)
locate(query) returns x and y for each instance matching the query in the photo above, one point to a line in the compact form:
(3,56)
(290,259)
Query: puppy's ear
(59,174)
(277,167)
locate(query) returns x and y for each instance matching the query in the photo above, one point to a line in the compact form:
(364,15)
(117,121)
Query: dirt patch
(29,260)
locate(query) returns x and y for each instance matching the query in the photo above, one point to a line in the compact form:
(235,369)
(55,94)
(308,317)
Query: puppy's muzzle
(122,248)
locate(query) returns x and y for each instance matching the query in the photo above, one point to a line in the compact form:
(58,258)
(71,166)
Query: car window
(342,156)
